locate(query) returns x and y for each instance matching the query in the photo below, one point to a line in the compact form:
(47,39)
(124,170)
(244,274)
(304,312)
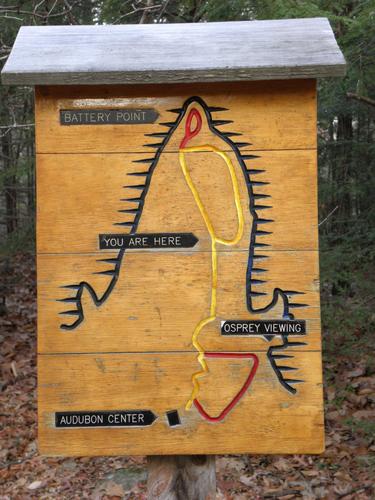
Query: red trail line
(240,393)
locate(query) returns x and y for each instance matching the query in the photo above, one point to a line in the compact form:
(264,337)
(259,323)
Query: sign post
(176,477)
(177,239)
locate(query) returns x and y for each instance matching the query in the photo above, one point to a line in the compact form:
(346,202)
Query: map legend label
(263,327)
(107,116)
(156,240)
(116,418)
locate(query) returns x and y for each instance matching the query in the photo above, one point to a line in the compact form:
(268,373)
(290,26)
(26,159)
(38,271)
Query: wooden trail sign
(178,281)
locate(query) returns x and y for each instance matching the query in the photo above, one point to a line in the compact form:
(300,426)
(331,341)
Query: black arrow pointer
(114,418)
(147,240)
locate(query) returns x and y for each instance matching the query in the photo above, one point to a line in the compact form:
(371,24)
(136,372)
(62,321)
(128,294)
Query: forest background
(346,134)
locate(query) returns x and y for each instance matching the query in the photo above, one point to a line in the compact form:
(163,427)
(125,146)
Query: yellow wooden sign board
(178,281)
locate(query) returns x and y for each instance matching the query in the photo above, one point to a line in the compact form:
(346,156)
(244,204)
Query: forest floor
(345,471)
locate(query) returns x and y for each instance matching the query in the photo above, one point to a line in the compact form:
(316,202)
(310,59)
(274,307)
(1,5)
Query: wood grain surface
(279,115)
(161,296)
(86,203)
(266,420)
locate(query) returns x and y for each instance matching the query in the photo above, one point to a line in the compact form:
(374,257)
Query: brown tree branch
(148,7)
(361,98)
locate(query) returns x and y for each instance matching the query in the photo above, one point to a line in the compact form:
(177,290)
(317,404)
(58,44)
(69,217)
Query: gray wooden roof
(166,53)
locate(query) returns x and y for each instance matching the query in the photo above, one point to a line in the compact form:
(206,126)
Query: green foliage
(173,11)
(21,240)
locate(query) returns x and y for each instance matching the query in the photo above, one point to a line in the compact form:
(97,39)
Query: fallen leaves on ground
(345,471)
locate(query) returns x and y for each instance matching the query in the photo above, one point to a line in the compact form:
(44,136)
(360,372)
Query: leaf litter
(345,471)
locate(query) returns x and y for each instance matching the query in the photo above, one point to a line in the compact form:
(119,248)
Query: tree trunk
(30,181)
(191,477)
(10,186)
(344,175)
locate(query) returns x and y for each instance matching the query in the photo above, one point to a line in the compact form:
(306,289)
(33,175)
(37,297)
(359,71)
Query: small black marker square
(173,418)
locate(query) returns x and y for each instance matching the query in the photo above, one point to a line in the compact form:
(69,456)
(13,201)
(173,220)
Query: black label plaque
(115,418)
(147,240)
(241,328)
(118,116)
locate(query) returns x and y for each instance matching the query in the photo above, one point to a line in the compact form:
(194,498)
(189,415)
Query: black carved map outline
(273,352)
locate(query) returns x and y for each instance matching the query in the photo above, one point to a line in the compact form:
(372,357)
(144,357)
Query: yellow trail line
(214,240)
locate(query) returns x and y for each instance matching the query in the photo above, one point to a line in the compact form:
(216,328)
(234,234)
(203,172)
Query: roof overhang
(174,53)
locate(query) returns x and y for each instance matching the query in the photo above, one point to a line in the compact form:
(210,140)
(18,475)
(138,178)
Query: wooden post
(183,477)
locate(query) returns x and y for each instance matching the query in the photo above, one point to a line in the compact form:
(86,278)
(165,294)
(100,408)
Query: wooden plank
(282,115)
(160,297)
(86,203)
(276,420)
(163,53)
